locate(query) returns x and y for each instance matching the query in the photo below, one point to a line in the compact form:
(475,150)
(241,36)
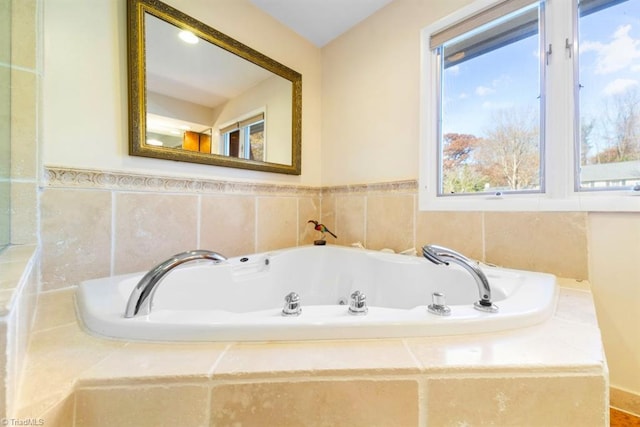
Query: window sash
(477,20)
(242,123)
(587,7)
(504,30)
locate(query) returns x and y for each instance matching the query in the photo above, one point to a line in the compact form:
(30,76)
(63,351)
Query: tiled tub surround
(550,374)
(378,215)
(18,290)
(131,222)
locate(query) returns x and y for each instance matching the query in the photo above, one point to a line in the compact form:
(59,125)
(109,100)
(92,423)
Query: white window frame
(559,189)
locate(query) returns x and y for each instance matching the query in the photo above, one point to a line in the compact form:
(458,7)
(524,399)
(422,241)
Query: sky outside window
(491,111)
(609,44)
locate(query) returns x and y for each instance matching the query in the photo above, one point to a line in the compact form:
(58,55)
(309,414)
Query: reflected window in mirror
(245,139)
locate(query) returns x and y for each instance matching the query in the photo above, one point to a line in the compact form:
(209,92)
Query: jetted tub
(242,298)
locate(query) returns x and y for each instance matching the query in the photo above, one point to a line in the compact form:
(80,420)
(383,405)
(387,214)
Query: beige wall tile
(23,33)
(5,206)
(76,236)
(277,223)
(18,281)
(333,357)
(614,255)
(350,219)
(152,362)
(55,308)
(326,215)
(159,406)
(16,354)
(5,42)
(575,305)
(322,403)
(5,347)
(552,242)
(390,222)
(227,224)
(24,124)
(51,369)
(24,216)
(460,231)
(308,208)
(61,414)
(328,212)
(554,344)
(11,276)
(151,227)
(518,401)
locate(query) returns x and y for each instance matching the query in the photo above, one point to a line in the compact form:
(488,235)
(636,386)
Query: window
(244,139)
(609,92)
(513,119)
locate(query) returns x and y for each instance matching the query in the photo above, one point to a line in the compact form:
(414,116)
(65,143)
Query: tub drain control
(358,303)
(438,305)
(292,305)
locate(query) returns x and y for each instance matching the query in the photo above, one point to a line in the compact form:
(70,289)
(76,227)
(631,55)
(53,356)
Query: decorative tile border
(408,186)
(128,181)
(62,177)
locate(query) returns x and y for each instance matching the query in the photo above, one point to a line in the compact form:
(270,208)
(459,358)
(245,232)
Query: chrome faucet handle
(439,305)
(440,255)
(358,304)
(292,305)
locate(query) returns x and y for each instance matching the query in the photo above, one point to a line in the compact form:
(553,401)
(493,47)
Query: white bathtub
(242,299)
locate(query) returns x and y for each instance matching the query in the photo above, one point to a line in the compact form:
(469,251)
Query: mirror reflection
(204,97)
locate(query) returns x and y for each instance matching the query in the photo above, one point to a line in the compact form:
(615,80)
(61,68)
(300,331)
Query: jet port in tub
(316,292)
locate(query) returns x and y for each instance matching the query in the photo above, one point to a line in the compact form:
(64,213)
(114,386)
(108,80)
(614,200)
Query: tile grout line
(198,221)
(218,361)
(483,237)
(255,224)
(112,261)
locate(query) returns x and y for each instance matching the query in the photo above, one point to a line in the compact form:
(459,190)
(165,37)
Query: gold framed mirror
(197,95)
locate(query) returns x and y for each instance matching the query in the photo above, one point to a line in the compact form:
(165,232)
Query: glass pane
(256,141)
(609,46)
(490,108)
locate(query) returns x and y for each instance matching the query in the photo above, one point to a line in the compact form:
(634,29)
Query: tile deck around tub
(69,372)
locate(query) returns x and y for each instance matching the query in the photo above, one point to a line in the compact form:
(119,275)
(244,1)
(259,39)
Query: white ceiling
(320,21)
(203,73)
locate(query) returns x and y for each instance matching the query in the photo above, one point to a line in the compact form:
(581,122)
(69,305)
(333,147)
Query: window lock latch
(568,46)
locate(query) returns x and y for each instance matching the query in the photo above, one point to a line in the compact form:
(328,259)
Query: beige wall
(370,95)
(370,126)
(85,85)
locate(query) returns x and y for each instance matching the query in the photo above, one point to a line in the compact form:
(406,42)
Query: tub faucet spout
(141,297)
(441,255)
